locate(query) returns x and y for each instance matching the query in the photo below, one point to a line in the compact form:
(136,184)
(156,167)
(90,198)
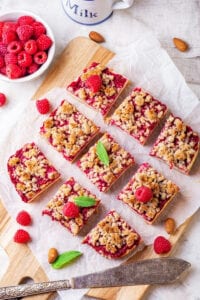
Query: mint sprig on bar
(84,201)
(102,153)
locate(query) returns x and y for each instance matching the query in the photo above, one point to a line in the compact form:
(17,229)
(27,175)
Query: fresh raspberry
(2,62)
(10,58)
(1,29)
(14,47)
(25,32)
(23,218)
(71,210)
(161,245)
(13,71)
(38,29)
(24,59)
(43,106)
(44,42)
(40,57)
(24,71)
(8,37)
(3,48)
(2,99)
(32,68)
(94,83)
(9,26)
(25,20)
(30,47)
(21,236)
(3,70)
(143,194)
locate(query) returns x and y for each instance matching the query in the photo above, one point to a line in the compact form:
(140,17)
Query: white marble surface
(167,19)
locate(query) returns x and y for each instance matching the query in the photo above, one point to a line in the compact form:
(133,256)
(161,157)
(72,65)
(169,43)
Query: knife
(149,271)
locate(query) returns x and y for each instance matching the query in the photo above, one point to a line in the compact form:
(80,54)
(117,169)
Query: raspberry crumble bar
(31,172)
(162,191)
(139,114)
(101,175)
(177,145)
(66,195)
(99,87)
(68,130)
(113,237)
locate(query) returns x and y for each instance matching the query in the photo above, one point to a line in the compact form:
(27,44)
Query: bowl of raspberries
(27,46)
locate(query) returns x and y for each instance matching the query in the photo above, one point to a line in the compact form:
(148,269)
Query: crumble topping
(139,114)
(112,236)
(101,175)
(163,191)
(177,145)
(30,171)
(111,87)
(68,130)
(67,193)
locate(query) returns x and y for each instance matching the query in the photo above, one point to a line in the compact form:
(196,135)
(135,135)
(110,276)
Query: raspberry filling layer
(177,144)
(112,85)
(68,192)
(163,190)
(113,237)
(68,130)
(139,114)
(101,175)
(30,171)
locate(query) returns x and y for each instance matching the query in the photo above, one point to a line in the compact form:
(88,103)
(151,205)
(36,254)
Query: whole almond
(170,225)
(96,37)
(180,44)
(52,255)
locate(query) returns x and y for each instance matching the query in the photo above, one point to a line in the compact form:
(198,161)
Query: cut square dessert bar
(148,192)
(139,114)
(177,145)
(113,237)
(62,207)
(31,172)
(104,175)
(99,87)
(68,130)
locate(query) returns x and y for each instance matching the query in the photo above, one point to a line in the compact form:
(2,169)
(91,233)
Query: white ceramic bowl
(14,15)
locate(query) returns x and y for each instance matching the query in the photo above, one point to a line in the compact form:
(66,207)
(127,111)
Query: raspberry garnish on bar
(62,207)
(162,192)
(99,87)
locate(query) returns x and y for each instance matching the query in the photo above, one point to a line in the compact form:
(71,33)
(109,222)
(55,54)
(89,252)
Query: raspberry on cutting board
(22,236)
(161,245)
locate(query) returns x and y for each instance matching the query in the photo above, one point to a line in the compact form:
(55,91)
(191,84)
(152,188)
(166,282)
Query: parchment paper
(147,65)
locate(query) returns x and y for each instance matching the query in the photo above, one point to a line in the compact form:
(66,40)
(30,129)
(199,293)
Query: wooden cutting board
(79,53)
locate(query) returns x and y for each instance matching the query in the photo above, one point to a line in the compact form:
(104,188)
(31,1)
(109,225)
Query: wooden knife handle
(24,290)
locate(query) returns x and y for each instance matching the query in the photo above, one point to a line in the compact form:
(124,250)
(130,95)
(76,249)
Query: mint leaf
(65,258)
(102,153)
(84,201)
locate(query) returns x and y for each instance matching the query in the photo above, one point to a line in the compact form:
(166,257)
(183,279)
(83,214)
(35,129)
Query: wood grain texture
(79,53)
(23,263)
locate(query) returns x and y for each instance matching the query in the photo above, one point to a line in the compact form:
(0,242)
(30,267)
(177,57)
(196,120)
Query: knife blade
(149,271)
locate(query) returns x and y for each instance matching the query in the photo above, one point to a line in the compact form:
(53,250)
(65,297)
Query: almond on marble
(96,37)
(180,44)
